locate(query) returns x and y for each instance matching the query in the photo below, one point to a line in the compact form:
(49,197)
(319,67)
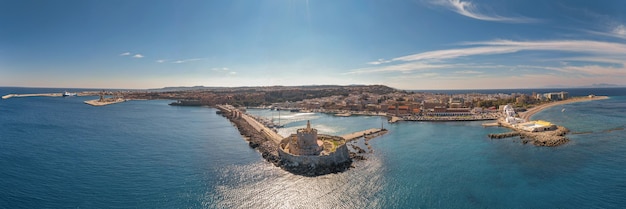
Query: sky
(416,44)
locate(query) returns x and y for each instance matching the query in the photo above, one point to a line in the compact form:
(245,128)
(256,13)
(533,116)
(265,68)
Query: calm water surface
(59,152)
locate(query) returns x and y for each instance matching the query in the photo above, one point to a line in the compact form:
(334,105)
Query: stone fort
(309,150)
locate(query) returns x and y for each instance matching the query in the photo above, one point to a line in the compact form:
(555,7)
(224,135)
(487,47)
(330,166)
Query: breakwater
(549,138)
(256,139)
(368,134)
(335,157)
(504,135)
(8,96)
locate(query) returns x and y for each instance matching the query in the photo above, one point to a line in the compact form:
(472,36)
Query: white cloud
(160,61)
(469,9)
(125,54)
(232,73)
(138,56)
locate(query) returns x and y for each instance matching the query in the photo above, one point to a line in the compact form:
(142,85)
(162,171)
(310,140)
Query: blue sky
(418,44)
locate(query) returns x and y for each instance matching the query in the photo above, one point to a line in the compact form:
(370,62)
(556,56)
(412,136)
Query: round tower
(306,142)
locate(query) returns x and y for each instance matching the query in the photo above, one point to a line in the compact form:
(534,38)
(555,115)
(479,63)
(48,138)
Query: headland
(539,132)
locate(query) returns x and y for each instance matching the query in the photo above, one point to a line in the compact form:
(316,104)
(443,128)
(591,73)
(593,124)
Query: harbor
(304,153)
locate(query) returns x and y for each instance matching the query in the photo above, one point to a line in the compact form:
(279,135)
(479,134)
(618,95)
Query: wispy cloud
(403,67)
(507,46)
(379,61)
(220,69)
(469,9)
(179,61)
(468,72)
(187,60)
(620,30)
(125,54)
(138,56)
(594,58)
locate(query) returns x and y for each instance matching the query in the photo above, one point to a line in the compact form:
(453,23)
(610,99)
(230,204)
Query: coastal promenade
(530,112)
(275,137)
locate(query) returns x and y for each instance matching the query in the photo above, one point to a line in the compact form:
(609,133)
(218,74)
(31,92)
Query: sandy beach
(530,112)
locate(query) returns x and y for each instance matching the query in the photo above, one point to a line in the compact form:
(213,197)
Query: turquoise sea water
(61,153)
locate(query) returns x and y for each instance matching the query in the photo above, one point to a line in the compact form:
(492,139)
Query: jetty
(8,96)
(255,124)
(368,134)
(98,102)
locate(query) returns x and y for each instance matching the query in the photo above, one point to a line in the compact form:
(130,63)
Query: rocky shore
(547,138)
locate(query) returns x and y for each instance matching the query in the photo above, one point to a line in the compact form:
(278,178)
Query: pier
(368,134)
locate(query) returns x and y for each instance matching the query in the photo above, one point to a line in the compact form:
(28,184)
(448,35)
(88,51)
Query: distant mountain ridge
(595,85)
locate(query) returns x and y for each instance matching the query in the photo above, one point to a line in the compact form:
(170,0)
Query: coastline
(532,111)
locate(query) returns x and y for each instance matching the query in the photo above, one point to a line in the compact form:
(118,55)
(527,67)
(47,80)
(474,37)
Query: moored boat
(68,94)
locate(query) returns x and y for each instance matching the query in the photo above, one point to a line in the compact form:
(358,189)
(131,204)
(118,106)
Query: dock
(495,124)
(369,133)
(394,119)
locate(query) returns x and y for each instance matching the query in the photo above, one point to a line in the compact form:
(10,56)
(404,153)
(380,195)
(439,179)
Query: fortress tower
(312,154)
(305,142)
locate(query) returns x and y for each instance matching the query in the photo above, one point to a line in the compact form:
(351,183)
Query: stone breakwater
(256,139)
(546,138)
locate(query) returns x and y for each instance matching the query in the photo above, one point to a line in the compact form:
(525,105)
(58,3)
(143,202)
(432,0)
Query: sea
(57,152)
